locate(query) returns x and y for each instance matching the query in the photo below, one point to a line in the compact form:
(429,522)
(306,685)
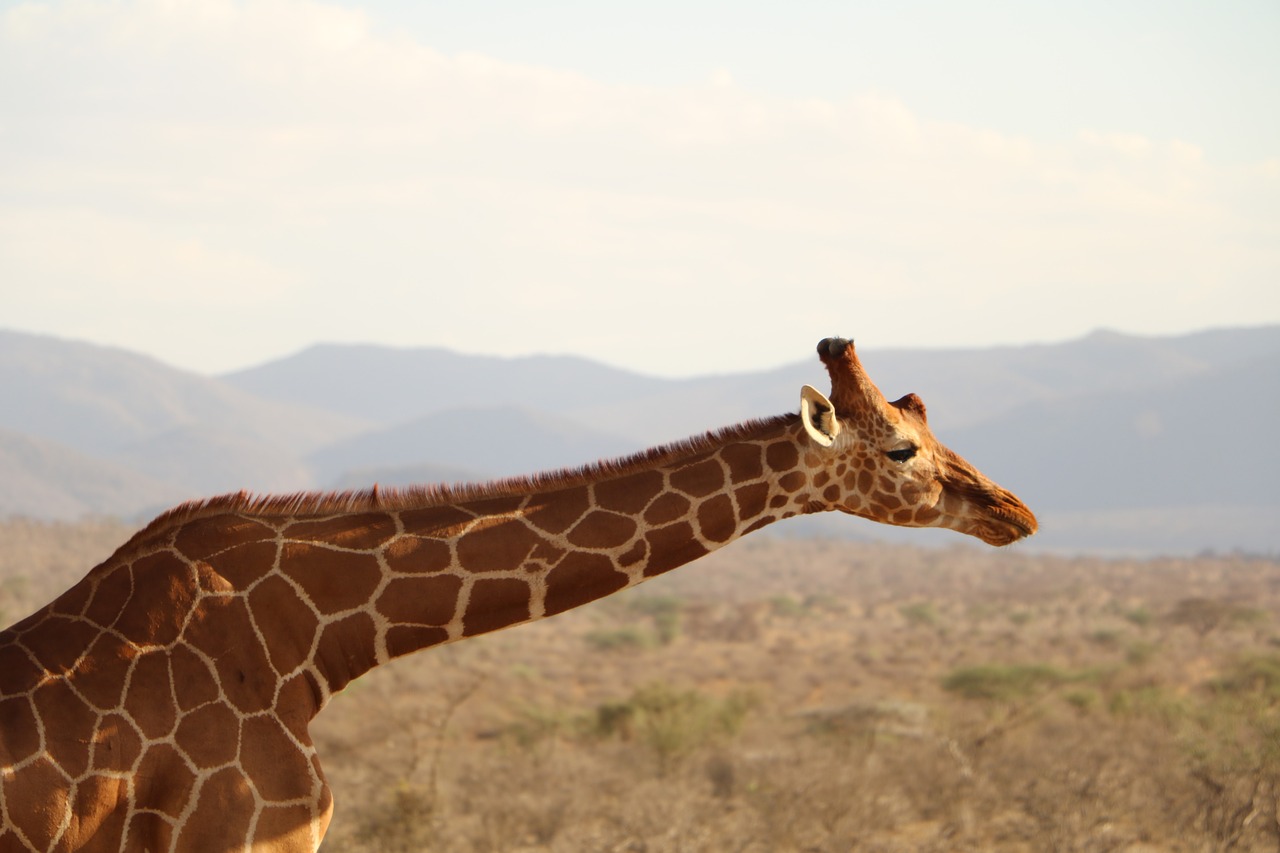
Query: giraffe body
(163,702)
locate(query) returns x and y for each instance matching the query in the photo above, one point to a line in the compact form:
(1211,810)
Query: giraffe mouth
(1005,526)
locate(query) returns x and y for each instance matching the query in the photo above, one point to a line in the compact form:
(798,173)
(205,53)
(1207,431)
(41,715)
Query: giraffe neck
(333,595)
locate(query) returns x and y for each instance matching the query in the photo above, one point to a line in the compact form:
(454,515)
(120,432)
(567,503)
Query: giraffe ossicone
(163,702)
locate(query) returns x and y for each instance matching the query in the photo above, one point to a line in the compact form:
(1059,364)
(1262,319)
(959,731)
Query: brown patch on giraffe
(203,538)
(889,503)
(758,523)
(208,580)
(435,522)
(716,520)
(57,642)
(21,730)
(297,702)
(630,494)
(149,700)
(100,676)
(68,722)
(557,512)
(224,632)
(333,581)
(420,601)
(35,798)
(193,683)
(821,479)
(865,481)
(346,650)
(20,672)
(148,831)
(831,494)
(501,547)
(276,607)
(73,601)
(667,508)
(793,482)
(209,735)
(405,639)
(495,603)
(162,596)
(671,546)
(242,565)
(578,578)
(285,828)
(926,515)
(782,456)
(745,461)
(418,555)
(699,480)
(91,794)
(751,500)
(601,529)
(116,744)
(488,507)
(634,554)
(778,501)
(268,756)
(224,809)
(362,532)
(164,781)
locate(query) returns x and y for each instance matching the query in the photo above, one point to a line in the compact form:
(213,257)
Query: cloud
(385,190)
(81,256)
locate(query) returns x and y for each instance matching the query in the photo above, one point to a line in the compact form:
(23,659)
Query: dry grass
(814,696)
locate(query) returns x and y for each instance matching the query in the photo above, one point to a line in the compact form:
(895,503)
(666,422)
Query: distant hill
(491,442)
(1118,441)
(1202,441)
(40,478)
(101,399)
(388,385)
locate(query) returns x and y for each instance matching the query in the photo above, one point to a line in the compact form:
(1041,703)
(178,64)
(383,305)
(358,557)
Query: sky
(676,188)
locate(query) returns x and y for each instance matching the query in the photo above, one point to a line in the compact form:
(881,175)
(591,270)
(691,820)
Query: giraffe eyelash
(902,454)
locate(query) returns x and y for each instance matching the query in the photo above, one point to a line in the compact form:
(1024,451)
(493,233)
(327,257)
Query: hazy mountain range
(1118,442)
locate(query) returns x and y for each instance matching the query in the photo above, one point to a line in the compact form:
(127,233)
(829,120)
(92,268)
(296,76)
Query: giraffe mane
(378,498)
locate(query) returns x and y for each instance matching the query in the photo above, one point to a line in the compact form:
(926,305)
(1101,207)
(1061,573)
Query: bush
(1003,682)
(1253,674)
(672,723)
(920,614)
(614,639)
(665,612)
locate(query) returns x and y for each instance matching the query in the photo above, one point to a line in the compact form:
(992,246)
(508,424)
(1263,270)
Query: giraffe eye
(902,454)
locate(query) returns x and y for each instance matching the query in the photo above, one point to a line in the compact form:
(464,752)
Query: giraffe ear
(818,416)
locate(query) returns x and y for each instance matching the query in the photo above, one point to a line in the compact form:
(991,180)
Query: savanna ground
(815,696)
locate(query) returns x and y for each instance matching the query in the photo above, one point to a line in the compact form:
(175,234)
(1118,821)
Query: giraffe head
(895,471)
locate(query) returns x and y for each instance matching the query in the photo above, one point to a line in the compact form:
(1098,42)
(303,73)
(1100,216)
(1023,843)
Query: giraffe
(163,702)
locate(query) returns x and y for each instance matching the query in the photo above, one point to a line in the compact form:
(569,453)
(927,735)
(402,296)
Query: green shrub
(921,613)
(1139,616)
(1003,682)
(1149,701)
(614,639)
(787,605)
(665,612)
(671,723)
(1252,674)
(1140,653)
